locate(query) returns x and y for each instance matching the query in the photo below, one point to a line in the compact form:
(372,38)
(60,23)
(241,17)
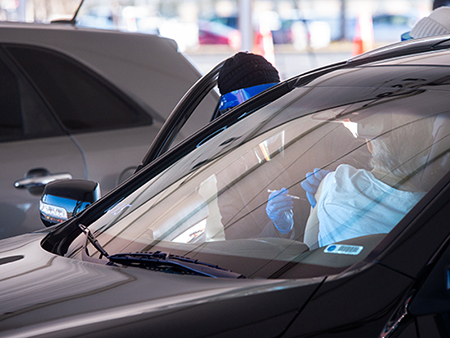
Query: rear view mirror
(63,199)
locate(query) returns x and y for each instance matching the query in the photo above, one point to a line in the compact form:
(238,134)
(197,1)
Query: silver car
(80,103)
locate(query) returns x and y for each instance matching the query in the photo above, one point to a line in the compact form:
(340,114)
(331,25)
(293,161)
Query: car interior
(211,204)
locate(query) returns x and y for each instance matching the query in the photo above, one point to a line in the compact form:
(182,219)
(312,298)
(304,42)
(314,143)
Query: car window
(24,114)
(80,98)
(240,199)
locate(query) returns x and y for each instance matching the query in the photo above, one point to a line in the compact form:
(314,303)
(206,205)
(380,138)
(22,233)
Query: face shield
(236,97)
(370,127)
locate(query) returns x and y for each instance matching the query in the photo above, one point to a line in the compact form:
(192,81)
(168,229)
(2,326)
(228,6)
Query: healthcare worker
(437,23)
(242,76)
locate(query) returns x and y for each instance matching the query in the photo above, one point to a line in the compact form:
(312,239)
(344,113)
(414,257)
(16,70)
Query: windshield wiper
(91,238)
(169,263)
(158,261)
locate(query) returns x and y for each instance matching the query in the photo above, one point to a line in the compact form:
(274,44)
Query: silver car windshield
(299,188)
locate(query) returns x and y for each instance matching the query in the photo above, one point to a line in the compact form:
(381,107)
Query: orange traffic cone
(264,45)
(363,39)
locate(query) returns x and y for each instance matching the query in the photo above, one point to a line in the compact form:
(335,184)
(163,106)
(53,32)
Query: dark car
(228,234)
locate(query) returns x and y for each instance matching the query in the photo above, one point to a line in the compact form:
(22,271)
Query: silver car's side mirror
(66,198)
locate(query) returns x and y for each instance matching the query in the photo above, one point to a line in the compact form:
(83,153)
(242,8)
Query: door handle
(42,180)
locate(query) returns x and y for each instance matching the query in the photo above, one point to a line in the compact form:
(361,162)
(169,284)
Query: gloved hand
(311,184)
(279,210)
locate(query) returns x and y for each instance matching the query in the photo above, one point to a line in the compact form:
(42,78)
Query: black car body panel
(394,286)
(87,299)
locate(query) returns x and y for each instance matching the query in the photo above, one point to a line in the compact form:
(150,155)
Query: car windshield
(308,185)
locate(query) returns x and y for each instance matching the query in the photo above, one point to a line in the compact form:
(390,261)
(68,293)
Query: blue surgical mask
(406,36)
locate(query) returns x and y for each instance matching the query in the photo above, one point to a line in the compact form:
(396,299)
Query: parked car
(216,33)
(280,28)
(387,28)
(186,247)
(80,103)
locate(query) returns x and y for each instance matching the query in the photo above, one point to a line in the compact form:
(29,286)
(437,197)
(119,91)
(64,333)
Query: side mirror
(66,198)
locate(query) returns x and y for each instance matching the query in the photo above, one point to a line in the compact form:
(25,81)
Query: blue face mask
(232,99)
(406,36)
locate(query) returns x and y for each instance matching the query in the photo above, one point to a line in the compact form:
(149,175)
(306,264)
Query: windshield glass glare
(303,187)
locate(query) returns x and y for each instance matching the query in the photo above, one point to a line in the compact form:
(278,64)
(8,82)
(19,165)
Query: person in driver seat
(356,202)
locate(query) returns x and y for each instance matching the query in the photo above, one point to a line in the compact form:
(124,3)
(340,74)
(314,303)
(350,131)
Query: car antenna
(72,21)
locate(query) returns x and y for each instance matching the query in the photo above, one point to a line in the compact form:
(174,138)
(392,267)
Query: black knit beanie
(245,70)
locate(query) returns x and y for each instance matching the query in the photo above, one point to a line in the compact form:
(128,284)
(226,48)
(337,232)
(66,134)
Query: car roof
(423,52)
(146,67)
(402,49)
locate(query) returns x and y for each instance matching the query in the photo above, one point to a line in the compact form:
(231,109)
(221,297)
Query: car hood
(147,67)
(45,294)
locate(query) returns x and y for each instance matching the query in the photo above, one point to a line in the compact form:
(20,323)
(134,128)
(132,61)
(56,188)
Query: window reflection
(371,164)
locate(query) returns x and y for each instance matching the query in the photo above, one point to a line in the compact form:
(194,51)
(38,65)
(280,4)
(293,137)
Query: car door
(110,129)
(113,131)
(427,311)
(34,150)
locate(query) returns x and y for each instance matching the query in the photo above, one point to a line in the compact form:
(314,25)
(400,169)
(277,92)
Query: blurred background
(295,35)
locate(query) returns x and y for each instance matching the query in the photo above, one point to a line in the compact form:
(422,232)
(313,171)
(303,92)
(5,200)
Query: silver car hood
(45,294)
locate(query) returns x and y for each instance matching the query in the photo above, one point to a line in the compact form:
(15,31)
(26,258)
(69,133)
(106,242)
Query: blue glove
(279,210)
(311,184)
